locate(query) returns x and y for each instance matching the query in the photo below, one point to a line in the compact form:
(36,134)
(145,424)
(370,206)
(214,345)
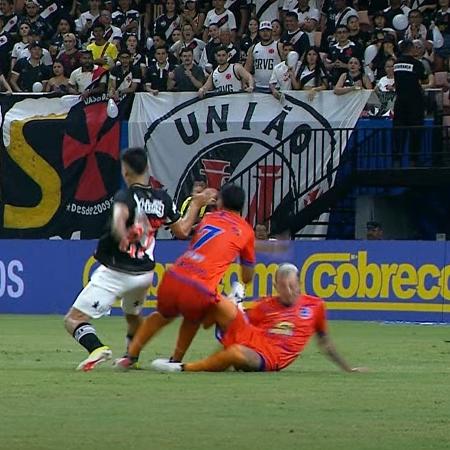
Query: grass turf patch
(403,403)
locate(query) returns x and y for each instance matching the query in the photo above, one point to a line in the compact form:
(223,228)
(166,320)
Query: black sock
(128,340)
(85,335)
(129,337)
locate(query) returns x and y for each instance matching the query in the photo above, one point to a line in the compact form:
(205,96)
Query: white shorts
(106,285)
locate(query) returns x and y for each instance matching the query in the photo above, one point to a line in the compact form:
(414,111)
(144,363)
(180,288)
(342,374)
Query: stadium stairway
(357,174)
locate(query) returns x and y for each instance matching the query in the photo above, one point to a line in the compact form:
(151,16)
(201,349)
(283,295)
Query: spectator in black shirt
(379,23)
(409,107)
(9,18)
(353,79)
(125,18)
(340,53)
(187,76)
(158,72)
(294,34)
(28,71)
(167,22)
(336,13)
(240,10)
(137,59)
(360,38)
(191,14)
(396,7)
(37,24)
(5,50)
(65,25)
(387,50)
(234,55)
(207,60)
(251,37)
(123,78)
(160,41)
(375,6)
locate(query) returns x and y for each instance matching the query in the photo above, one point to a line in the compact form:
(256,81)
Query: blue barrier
(374,140)
(358,279)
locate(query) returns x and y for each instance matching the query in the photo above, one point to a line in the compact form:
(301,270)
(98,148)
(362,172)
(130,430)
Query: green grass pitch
(403,403)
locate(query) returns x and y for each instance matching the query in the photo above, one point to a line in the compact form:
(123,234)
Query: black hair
(60,61)
(136,159)
(320,72)
(233,197)
(98,24)
(200,179)
(69,20)
(34,44)
(292,14)
(342,26)
(124,51)
(220,48)
(406,46)
(162,36)
(186,50)
(247,29)
(177,8)
(372,225)
(415,11)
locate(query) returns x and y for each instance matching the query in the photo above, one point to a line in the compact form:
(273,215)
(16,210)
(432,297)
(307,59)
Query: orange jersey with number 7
(220,238)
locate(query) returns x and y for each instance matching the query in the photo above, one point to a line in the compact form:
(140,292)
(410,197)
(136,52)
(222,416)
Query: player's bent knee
(246,359)
(73,318)
(237,353)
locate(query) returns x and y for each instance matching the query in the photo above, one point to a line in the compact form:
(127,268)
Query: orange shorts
(179,295)
(241,332)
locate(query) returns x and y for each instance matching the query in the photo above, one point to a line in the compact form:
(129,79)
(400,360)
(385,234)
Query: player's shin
(186,334)
(149,327)
(133,323)
(218,362)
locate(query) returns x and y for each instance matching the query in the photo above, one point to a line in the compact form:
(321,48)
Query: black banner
(59,167)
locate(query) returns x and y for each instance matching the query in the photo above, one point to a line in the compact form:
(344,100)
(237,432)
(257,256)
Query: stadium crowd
(123,46)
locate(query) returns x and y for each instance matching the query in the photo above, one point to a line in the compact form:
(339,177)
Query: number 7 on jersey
(205,234)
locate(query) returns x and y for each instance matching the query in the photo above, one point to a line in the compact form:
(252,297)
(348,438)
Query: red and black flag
(59,167)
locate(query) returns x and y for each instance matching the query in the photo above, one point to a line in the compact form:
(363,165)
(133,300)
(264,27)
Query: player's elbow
(182,235)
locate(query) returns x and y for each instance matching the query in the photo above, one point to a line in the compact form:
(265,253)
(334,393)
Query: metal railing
(282,183)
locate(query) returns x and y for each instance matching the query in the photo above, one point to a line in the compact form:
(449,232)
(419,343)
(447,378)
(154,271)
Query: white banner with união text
(270,148)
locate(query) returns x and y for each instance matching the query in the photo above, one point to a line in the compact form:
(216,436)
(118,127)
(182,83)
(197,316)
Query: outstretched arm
(182,227)
(327,346)
(208,86)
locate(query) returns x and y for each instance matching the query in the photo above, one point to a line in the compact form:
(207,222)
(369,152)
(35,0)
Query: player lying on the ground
(271,337)
(189,287)
(125,253)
